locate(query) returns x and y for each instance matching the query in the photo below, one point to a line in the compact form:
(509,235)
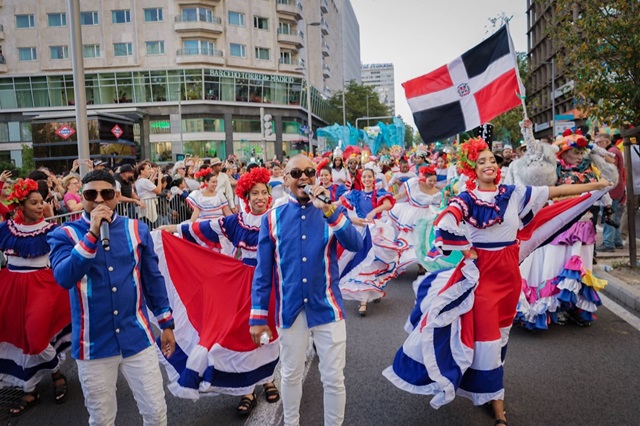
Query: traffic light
(267,125)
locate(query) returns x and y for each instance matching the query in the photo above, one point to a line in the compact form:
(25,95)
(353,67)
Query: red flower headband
(248,181)
(202,173)
(469,153)
(321,165)
(573,140)
(21,190)
(426,171)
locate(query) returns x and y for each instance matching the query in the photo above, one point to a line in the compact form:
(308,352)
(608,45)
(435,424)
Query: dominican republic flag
(210,295)
(469,91)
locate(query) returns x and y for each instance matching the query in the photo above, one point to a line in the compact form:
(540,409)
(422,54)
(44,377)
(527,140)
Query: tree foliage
(598,43)
(28,164)
(356,98)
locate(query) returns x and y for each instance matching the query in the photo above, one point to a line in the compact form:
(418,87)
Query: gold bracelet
(329,212)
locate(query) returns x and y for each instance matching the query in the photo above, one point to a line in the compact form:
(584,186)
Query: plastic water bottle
(607,268)
(264,338)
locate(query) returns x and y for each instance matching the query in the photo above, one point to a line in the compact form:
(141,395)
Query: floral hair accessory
(468,156)
(352,151)
(426,171)
(575,140)
(248,181)
(321,165)
(21,190)
(202,173)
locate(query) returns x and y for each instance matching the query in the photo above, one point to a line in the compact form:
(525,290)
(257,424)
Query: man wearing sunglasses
(297,257)
(109,287)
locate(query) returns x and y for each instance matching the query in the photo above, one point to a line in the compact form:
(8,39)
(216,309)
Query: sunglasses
(297,173)
(92,194)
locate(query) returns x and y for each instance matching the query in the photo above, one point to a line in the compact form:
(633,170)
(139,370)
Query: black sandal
(271,393)
(501,422)
(23,405)
(246,405)
(60,391)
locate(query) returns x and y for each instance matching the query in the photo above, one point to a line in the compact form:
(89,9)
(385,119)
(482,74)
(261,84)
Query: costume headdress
(571,140)
(248,181)
(352,151)
(200,174)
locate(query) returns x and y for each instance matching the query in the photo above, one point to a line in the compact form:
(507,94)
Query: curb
(617,289)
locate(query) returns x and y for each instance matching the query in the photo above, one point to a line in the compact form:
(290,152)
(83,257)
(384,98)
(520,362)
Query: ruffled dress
(210,206)
(210,294)
(420,207)
(459,327)
(365,274)
(35,316)
(557,279)
(336,191)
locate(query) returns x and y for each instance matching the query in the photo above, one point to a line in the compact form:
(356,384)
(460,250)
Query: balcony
(324,6)
(198,23)
(202,55)
(326,71)
(292,66)
(324,27)
(3,64)
(326,51)
(290,7)
(1,31)
(294,39)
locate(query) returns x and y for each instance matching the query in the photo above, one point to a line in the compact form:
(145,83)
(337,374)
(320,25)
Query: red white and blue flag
(469,91)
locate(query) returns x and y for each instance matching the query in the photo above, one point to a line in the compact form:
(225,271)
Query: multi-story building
(190,76)
(380,76)
(544,77)
(350,43)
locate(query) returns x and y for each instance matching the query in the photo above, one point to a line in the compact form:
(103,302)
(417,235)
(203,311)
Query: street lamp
(369,96)
(344,107)
(179,93)
(307,77)
(553,95)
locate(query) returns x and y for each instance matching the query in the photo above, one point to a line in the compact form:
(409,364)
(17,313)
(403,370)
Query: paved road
(568,375)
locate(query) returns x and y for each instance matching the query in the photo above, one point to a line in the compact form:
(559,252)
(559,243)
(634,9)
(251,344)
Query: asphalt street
(565,376)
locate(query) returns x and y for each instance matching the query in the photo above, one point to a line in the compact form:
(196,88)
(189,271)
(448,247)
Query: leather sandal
(23,405)
(59,390)
(271,393)
(501,422)
(362,310)
(246,405)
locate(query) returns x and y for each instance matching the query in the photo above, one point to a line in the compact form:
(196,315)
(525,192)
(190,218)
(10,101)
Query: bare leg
(498,410)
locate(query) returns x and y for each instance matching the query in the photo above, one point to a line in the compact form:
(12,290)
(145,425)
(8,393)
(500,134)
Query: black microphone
(104,234)
(321,197)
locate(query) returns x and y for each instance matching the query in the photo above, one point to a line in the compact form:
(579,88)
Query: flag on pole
(469,91)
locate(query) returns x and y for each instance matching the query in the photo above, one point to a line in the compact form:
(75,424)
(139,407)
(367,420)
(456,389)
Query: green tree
(28,164)
(597,44)
(356,98)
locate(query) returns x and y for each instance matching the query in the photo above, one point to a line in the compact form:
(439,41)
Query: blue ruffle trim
(481,214)
(24,244)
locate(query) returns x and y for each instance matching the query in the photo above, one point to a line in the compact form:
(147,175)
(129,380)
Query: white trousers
(331,342)
(142,372)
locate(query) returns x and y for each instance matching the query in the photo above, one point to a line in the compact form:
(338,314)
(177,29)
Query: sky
(418,36)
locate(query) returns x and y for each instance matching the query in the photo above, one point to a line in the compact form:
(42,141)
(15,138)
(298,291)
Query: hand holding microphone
(100,220)
(317,193)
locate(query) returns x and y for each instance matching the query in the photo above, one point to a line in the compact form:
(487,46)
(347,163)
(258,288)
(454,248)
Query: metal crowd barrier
(158,211)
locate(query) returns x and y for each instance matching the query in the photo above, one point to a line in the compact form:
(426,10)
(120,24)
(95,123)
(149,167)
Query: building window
(155,48)
(286,57)
(236,19)
(198,47)
(123,49)
(198,14)
(25,21)
(57,19)
(284,28)
(260,23)
(59,52)
(89,18)
(121,16)
(91,51)
(262,53)
(153,15)
(27,54)
(238,50)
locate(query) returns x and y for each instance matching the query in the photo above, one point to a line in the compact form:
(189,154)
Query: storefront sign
(251,76)
(65,132)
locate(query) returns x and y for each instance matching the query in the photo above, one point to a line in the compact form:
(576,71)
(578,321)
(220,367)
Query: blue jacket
(110,290)
(298,258)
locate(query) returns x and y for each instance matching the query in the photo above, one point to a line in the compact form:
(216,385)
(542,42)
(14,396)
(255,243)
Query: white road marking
(627,316)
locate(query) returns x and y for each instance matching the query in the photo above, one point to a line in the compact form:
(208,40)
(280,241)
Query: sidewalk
(624,282)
